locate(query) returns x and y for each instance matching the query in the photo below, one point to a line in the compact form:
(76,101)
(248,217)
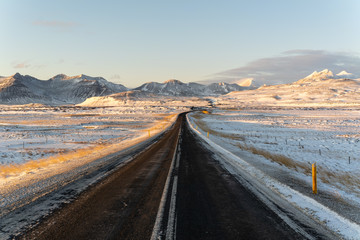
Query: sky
(132,42)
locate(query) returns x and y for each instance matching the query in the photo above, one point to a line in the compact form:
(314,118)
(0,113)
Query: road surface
(212,204)
(122,206)
(201,200)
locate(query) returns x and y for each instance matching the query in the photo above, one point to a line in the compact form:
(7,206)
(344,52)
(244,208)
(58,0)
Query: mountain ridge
(19,89)
(175,87)
(317,89)
(63,89)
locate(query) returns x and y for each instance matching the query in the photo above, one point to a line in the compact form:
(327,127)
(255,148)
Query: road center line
(170,230)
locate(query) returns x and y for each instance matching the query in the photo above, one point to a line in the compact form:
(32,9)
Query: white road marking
(171,226)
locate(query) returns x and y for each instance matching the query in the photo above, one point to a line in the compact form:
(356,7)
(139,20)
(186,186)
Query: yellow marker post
(207,134)
(149,132)
(314,178)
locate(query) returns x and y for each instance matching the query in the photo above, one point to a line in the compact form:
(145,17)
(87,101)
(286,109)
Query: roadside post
(314,187)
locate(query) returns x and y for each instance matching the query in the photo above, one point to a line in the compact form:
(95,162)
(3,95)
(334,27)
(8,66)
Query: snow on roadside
(31,135)
(109,131)
(312,208)
(328,138)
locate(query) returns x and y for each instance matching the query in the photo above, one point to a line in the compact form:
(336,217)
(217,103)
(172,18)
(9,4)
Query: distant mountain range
(177,88)
(62,89)
(139,98)
(318,89)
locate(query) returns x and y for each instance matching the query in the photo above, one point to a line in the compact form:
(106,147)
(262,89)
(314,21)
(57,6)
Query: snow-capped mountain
(325,74)
(245,82)
(318,89)
(15,90)
(82,87)
(345,74)
(61,89)
(139,98)
(169,88)
(63,80)
(223,88)
(177,88)
(318,76)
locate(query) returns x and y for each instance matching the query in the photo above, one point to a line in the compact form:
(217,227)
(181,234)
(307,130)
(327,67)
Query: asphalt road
(209,202)
(123,206)
(212,204)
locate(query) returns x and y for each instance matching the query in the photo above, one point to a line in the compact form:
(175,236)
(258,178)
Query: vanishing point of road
(174,189)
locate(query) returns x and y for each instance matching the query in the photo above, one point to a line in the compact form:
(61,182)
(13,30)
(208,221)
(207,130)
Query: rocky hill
(61,89)
(316,90)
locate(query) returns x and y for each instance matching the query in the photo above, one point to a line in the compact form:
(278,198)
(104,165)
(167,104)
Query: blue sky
(132,42)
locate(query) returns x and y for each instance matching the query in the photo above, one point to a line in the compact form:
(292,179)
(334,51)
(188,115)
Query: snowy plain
(282,145)
(277,132)
(44,148)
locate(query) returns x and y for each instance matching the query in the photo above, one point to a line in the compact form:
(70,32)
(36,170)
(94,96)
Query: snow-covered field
(284,144)
(319,89)
(39,133)
(43,148)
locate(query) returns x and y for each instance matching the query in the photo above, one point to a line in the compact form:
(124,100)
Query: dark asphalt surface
(212,204)
(123,206)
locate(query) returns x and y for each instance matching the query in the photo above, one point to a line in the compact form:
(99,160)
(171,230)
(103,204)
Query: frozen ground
(43,148)
(32,134)
(319,89)
(284,143)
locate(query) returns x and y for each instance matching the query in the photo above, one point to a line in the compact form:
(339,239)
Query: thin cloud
(291,66)
(21,65)
(115,77)
(38,67)
(59,25)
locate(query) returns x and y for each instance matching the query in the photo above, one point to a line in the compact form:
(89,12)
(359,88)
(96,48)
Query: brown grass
(280,159)
(323,173)
(197,116)
(344,178)
(82,115)
(162,123)
(13,169)
(206,128)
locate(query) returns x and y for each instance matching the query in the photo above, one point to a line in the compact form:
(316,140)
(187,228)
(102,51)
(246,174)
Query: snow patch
(313,209)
